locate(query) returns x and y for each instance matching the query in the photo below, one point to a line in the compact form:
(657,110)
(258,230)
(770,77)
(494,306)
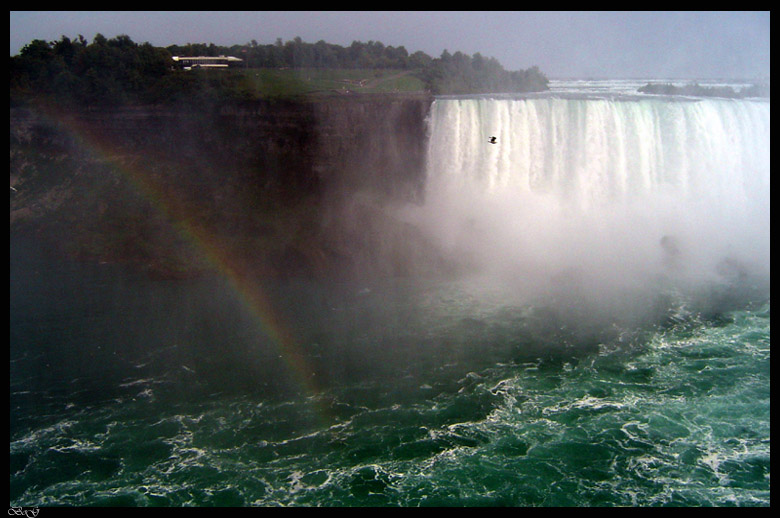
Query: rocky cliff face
(279,188)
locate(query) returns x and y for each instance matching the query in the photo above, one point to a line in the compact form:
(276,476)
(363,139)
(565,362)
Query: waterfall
(610,190)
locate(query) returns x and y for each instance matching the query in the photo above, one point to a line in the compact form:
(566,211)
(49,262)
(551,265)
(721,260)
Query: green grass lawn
(286,82)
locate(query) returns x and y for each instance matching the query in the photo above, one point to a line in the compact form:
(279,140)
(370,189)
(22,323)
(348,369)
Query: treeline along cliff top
(119,71)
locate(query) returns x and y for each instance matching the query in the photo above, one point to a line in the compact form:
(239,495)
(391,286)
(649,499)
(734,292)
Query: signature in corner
(27,512)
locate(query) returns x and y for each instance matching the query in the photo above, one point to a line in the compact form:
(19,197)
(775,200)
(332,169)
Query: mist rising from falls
(600,196)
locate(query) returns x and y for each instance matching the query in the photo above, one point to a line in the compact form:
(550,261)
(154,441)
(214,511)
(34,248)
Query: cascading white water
(611,191)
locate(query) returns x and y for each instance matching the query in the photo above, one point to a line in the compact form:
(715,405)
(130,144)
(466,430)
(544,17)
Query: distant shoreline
(695,89)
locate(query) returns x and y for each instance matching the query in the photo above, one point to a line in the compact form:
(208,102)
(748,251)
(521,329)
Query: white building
(190,62)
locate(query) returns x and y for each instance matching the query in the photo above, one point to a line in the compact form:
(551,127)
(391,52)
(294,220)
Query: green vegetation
(696,90)
(269,82)
(105,71)
(463,74)
(118,71)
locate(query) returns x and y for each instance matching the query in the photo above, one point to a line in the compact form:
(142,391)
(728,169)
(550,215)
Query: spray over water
(601,197)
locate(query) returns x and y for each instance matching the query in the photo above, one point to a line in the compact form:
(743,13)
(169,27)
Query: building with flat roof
(190,62)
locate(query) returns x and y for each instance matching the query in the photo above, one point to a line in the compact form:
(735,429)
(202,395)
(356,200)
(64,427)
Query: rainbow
(216,252)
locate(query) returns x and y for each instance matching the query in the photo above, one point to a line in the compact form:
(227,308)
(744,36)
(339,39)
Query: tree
(118,70)
(419,60)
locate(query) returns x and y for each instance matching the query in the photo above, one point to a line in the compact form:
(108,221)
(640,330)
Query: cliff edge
(281,188)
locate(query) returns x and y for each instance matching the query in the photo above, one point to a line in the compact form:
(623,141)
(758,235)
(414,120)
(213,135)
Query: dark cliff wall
(281,188)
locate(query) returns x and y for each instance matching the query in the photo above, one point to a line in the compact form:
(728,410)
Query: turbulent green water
(132,392)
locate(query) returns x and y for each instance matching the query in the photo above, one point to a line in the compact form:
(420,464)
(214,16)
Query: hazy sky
(562,44)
